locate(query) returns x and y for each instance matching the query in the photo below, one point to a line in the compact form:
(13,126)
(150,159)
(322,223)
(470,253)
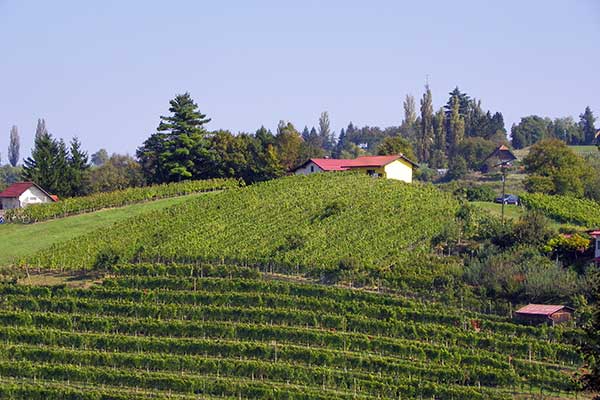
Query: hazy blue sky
(105,72)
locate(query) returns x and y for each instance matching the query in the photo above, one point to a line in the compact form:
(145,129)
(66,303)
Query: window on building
(312,168)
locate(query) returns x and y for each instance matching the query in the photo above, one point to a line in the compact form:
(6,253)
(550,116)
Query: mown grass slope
(18,241)
(183,332)
(316,224)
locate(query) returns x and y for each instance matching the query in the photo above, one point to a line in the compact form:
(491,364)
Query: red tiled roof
(331,164)
(594,233)
(17,189)
(540,309)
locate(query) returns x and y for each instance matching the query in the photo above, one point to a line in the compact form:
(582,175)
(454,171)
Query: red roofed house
(544,314)
(21,194)
(390,167)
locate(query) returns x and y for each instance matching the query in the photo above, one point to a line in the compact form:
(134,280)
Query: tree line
(457,137)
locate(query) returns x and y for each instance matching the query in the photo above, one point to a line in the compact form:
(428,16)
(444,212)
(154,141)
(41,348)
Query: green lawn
(510,211)
(18,240)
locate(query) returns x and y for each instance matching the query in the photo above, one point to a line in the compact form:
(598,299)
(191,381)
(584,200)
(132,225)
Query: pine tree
(586,122)
(14,146)
(78,169)
(426,131)
(305,134)
(41,166)
(171,154)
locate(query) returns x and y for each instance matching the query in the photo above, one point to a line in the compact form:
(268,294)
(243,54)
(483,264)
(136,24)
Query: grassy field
(510,211)
(18,240)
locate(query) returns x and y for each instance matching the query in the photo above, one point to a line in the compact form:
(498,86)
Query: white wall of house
(33,195)
(400,170)
(309,168)
(597,255)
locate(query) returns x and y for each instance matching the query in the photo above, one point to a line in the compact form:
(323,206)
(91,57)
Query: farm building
(501,155)
(535,314)
(595,234)
(22,194)
(397,167)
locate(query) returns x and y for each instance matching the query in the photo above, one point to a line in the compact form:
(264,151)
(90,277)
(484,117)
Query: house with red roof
(22,194)
(536,314)
(397,167)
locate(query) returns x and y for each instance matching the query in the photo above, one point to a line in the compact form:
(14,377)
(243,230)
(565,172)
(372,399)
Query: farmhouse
(22,194)
(397,167)
(500,156)
(535,314)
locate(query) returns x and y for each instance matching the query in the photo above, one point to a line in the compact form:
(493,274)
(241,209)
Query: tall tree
(529,130)
(587,121)
(410,113)
(325,131)
(78,169)
(41,166)
(456,125)
(170,154)
(40,129)
(289,143)
(393,145)
(14,146)
(100,157)
(439,157)
(426,131)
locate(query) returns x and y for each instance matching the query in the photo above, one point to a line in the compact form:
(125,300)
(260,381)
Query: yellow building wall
(400,170)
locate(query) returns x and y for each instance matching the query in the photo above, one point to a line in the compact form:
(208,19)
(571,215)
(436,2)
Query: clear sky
(105,70)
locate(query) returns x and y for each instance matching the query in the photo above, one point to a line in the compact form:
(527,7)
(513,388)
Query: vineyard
(565,208)
(119,198)
(176,332)
(332,226)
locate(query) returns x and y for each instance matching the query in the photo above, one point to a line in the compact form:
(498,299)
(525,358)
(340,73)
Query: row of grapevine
(267,338)
(565,208)
(118,198)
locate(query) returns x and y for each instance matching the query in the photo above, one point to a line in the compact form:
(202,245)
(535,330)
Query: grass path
(17,240)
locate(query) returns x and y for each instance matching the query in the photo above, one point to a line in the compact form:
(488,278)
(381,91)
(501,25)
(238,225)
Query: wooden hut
(536,314)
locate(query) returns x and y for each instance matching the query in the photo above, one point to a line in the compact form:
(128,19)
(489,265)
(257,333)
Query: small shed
(536,314)
(500,156)
(22,194)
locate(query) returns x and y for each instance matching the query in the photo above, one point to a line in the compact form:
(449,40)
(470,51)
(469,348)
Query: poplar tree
(40,129)
(325,131)
(14,146)
(426,131)
(456,125)
(438,156)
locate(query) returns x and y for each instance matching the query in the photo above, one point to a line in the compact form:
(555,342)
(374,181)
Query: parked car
(508,199)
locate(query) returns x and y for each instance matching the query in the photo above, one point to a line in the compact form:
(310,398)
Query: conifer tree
(426,131)
(171,154)
(14,146)
(40,167)
(78,169)
(586,122)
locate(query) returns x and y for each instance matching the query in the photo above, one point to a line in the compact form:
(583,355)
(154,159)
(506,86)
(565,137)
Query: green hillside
(19,241)
(176,332)
(327,225)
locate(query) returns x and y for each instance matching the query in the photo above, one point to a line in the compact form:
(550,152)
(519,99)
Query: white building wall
(310,168)
(597,255)
(33,195)
(400,170)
